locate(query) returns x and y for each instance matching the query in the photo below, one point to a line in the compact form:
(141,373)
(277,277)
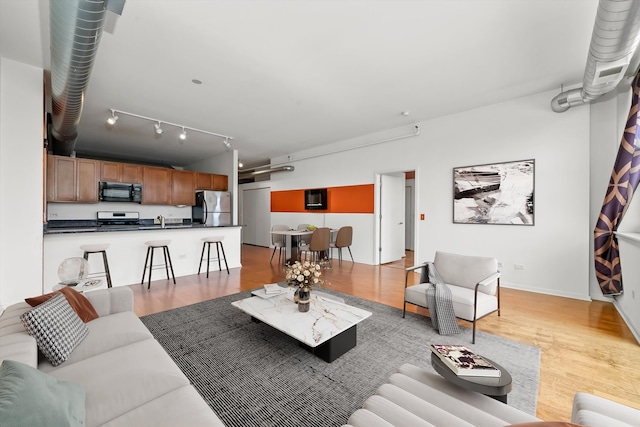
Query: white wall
(555,252)
(21,178)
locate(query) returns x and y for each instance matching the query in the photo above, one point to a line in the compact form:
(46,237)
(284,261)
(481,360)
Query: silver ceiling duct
(614,40)
(76,27)
(249,173)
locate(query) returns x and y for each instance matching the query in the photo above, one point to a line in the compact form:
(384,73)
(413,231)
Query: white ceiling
(282,76)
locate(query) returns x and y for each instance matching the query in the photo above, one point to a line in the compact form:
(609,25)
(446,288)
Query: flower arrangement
(304,274)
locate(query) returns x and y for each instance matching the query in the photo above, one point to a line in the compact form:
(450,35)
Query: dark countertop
(90,226)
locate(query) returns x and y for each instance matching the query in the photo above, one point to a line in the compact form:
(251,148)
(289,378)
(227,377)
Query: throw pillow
(81,305)
(30,398)
(56,327)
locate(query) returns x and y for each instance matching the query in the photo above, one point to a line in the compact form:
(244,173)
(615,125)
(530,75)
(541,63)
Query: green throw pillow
(30,398)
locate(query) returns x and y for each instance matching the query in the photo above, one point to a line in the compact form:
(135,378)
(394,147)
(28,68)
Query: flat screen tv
(315,199)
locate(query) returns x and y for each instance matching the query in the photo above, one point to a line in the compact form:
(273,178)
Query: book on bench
(464,362)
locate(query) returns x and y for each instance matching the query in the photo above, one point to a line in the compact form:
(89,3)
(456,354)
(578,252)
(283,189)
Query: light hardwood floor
(586,346)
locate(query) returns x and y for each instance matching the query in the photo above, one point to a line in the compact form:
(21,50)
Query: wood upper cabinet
(72,180)
(204,181)
(156,186)
(120,172)
(183,187)
(210,181)
(88,173)
(220,182)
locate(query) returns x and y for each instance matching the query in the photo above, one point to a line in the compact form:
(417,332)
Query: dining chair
(319,243)
(303,240)
(278,241)
(343,240)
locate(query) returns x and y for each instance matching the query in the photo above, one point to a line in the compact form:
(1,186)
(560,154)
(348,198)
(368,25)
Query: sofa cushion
(105,334)
(79,302)
(20,347)
(56,327)
(29,398)
(186,409)
(120,380)
(595,411)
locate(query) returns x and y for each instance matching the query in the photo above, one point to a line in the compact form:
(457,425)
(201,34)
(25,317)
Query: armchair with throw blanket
(467,285)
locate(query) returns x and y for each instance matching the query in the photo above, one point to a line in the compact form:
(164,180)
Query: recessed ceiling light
(196,81)
(405,113)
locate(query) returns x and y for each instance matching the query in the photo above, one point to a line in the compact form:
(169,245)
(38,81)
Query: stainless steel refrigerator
(212,208)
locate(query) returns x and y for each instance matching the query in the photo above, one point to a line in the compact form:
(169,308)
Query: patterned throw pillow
(78,302)
(56,327)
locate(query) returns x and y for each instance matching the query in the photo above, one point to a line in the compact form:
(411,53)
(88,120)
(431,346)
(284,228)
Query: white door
(392,225)
(256,217)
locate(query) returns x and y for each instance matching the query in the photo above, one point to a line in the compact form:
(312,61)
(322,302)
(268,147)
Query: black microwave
(120,192)
(315,199)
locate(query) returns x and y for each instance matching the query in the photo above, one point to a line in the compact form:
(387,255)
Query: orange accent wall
(347,199)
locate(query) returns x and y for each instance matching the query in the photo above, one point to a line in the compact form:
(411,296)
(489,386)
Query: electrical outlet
(53,215)
(518,266)
(499,265)
(182,256)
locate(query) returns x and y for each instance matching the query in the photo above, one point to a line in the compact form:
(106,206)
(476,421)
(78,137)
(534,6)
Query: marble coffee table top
(325,319)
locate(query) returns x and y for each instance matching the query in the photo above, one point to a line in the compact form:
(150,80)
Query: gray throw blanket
(439,301)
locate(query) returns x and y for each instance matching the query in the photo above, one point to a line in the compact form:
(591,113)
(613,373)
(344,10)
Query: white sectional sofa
(416,397)
(129,379)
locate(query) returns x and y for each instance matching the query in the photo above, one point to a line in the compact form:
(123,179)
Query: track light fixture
(158,129)
(113,119)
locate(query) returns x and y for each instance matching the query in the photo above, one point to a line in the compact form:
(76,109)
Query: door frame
(377,210)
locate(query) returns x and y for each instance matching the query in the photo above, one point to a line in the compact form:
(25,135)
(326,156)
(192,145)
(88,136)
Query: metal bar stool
(152,246)
(207,242)
(100,248)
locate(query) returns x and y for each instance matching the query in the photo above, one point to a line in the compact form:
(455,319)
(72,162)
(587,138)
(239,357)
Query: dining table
(292,240)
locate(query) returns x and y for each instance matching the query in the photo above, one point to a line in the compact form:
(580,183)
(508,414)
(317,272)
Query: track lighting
(158,129)
(113,119)
(240,164)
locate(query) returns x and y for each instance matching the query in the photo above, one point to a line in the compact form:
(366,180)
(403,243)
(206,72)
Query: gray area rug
(253,375)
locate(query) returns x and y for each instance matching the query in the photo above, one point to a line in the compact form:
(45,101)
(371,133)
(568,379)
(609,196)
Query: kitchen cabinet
(72,180)
(156,186)
(87,184)
(220,182)
(210,181)
(120,172)
(204,181)
(183,186)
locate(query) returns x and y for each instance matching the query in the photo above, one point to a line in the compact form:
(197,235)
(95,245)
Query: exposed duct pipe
(614,40)
(255,172)
(76,27)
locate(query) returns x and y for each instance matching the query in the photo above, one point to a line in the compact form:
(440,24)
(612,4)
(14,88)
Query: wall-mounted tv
(315,199)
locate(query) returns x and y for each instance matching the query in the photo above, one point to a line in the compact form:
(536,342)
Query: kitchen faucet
(161,219)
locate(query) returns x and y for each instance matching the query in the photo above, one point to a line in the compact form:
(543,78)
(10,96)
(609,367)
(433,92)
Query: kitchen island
(127,250)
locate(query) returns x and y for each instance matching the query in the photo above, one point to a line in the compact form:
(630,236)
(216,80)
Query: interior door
(256,217)
(392,193)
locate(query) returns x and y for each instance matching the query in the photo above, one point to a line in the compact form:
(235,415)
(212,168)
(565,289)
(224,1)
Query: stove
(118,219)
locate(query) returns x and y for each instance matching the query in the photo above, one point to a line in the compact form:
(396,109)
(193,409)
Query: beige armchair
(474,282)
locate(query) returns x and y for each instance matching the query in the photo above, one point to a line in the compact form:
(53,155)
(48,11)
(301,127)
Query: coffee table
(495,387)
(328,329)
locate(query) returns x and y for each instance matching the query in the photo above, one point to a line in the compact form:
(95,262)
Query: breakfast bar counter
(127,250)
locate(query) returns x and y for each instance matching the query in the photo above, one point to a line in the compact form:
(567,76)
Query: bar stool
(152,246)
(207,242)
(97,249)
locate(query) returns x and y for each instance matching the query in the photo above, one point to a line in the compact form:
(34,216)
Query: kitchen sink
(158,227)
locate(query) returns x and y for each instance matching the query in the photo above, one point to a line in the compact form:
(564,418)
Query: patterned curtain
(623,182)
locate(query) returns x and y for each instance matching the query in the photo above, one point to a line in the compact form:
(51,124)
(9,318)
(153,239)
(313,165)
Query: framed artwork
(495,193)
